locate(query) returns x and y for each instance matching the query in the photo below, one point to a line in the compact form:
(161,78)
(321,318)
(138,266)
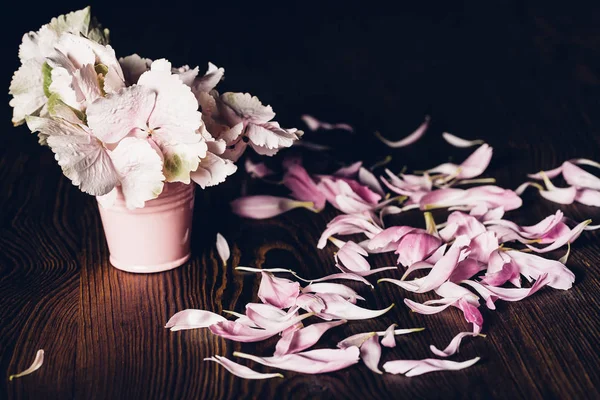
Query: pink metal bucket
(154,238)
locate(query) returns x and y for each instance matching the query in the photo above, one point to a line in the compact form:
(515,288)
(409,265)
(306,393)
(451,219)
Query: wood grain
(523,78)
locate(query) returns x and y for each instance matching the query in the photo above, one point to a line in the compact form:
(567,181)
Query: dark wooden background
(524,77)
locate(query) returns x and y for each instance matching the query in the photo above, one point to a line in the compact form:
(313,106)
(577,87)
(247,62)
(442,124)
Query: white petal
(212,170)
(223,248)
(139,167)
(27,89)
(81,156)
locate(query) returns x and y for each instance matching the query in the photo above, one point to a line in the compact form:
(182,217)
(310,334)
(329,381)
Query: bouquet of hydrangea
(132,124)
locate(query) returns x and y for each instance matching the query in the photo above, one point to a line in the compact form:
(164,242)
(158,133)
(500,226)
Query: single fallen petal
(533,267)
(566,236)
(460,142)
(519,293)
(241,370)
(359,338)
(303,187)
(262,207)
(257,170)
(304,338)
(560,195)
(453,347)
(370,353)
(410,139)
(589,197)
(314,124)
(429,309)
(342,276)
(279,292)
(310,362)
(419,367)
(37,363)
(366,178)
(552,173)
(193,319)
(238,332)
(223,248)
(416,246)
(476,163)
(352,256)
(336,307)
(580,178)
(337,288)
(389,339)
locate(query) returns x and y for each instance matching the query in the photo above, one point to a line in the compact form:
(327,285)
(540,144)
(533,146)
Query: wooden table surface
(524,78)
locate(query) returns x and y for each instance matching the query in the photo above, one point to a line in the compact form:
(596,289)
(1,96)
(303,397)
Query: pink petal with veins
(241,370)
(347,225)
(241,333)
(567,236)
(370,353)
(311,303)
(304,338)
(310,362)
(520,293)
(416,246)
(533,267)
(278,292)
(410,139)
(262,207)
(419,367)
(193,319)
(482,246)
(303,187)
(352,256)
(368,179)
(442,270)
(389,235)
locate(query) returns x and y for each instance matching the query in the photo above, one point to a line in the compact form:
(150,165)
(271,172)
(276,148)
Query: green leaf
(47,78)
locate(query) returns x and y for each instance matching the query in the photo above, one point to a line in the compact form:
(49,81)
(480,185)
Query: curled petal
(370,353)
(519,293)
(560,195)
(359,338)
(314,124)
(212,170)
(241,370)
(337,288)
(241,333)
(310,362)
(429,309)
(453,347)
(304,338)
(352,256)
(460,142)
(533,266)
(193,319)
(262,207)
(389,339)
(476,163)
(552,173)
(257,170)
(580,178)
(336,307)
(567,236)
(37,364)
(415,247)
(419,367)
(410,139)
(223,248)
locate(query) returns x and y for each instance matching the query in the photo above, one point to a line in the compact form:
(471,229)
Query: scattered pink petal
(262,207)
(223,248)
(334,288)
(350,171)
(352,256)
(279,292)
(560,195)
(519,293)
(37,363)
(416,246)
(193,319)
(567,236)
(314,124)
(310,362)
(453,347)
(303,187)
(389,339)
(410,139)
(359,338)
(370,353)
(304,338)
(588,197)
(336,307)
(419,367)
(241,333)
(347,225)
(460,142)
(533,267)
(241,370)
(257,170)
